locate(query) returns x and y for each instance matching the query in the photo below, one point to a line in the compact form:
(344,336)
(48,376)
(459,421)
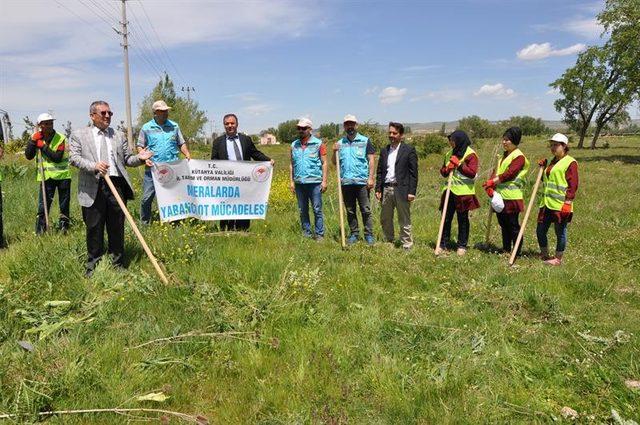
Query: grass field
(282,329)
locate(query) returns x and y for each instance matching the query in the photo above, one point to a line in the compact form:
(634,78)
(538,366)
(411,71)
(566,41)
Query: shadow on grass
(627,159)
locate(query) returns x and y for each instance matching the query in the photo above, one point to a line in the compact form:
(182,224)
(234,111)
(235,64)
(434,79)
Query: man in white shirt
(96,151)
(396,183)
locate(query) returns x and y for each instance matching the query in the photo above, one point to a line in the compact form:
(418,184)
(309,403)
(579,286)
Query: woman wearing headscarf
(463,162)
(508,180)
(559,187)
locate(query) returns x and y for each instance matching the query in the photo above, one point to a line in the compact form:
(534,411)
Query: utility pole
(188,89)
(127,85)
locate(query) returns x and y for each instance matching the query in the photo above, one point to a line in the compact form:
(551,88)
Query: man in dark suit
(396,183)
(235,147)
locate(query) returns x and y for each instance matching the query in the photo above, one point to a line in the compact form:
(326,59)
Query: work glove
(542,162)
(37,140)
(565,211)
(489,184)
(453,163)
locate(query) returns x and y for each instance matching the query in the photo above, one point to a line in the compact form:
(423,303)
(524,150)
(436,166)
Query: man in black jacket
(396,183)
(235,147)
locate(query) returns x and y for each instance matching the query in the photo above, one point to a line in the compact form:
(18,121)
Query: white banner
(212,190)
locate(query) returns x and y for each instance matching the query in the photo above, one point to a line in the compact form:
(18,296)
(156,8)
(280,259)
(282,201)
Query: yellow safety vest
(460,184)
(55,170)
(554,187)
(512,190)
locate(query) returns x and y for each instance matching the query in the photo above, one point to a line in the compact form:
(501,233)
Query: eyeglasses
(104,113)
(302,128)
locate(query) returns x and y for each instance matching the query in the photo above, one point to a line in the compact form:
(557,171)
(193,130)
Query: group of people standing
(99,151)
(396,180)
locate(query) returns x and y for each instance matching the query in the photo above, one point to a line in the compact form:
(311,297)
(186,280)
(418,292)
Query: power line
(111,24)
(150,47)
(139,53)
(160,41)
(104,10)
(93,26)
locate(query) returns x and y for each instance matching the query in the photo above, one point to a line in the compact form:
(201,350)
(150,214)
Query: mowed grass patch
(270,327)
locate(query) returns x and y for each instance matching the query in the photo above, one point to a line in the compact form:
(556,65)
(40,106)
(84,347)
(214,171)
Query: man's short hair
(94,106)
(230,115)
(398,126)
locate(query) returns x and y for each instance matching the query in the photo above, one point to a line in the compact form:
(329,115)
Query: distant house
(268,139)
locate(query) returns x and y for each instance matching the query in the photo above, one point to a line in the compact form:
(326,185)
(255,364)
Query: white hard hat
(160,105)
(305,122)
(44,117)
(350,118)
(560,138)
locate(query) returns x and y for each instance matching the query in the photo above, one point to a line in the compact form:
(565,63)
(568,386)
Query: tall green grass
(303,332)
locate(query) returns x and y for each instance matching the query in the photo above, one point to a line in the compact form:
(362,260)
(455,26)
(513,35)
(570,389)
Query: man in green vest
(55,161)
(2,242)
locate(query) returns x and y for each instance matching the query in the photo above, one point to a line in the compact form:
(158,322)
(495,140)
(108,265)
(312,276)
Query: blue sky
(268,61)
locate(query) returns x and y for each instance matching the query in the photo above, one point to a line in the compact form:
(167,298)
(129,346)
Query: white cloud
(446,95)
(68,52)
(537,51)
(588,28)
(391,95)
(258,109)
(495,90)
(371,90)
(418,68)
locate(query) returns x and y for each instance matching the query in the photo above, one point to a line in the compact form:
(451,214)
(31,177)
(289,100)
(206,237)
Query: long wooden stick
(44,192)
(512,259)
(437,250)
(185,417)
(340,201)
(487,235)
(124,209)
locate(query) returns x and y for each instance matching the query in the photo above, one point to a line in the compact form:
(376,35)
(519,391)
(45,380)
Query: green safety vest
(55,170)
(512,189)
(460,184)
(554,187)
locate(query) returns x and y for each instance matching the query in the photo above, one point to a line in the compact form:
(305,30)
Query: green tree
(376,133)
(478,128)
(606,79)
(185,112)
(530,126)
(595,87)
(443,129)
(329,131)
(29,128)
(287,131)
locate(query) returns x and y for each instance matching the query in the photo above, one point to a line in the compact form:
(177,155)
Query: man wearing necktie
(233,146)
(98,150)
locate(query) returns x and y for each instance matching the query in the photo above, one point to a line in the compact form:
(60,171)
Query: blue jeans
(148,193)
(305,193)
(560,229)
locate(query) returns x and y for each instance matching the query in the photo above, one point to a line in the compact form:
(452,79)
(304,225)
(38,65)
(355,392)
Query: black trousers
(2,241)
(463,224)
(105,212)
(360,194)
(510,227)
(64,198)
(242,225)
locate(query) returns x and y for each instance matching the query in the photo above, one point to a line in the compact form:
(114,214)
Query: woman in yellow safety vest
(559,187)
(463,162)
(508,180)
